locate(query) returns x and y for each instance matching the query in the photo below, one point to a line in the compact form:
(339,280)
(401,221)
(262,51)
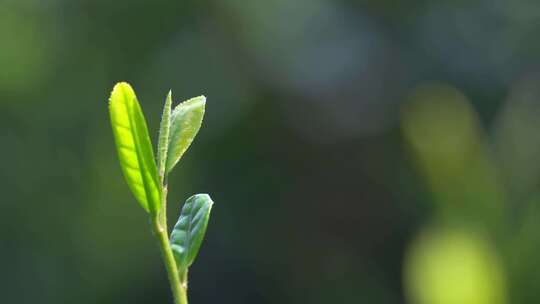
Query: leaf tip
(197,101)
(120,87)
(207,197)
(202,197)
(202,99)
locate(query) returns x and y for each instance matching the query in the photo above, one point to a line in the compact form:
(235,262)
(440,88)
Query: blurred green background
(357,151)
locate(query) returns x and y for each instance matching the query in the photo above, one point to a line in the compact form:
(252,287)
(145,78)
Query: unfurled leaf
(134,147)
(163,141)
(188,233)
(186,121)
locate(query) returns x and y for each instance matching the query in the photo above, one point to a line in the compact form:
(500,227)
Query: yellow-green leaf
(186,120)
(134,147)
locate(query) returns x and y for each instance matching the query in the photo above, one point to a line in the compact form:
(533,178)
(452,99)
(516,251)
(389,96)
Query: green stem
(159,225)
(179,289)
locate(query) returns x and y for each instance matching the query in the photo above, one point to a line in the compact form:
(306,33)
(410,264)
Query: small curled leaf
(186,120)
(163,141)
(189,231)
(134,147)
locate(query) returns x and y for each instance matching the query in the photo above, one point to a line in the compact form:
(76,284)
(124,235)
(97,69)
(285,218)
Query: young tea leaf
(188,233)
(134,147)
(186,121)
(163,142)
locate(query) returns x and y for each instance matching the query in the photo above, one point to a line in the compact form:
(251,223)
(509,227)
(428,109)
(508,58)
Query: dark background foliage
(338,133)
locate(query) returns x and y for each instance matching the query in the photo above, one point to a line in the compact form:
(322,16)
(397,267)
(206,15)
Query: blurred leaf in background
(449,145)
(454,266)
